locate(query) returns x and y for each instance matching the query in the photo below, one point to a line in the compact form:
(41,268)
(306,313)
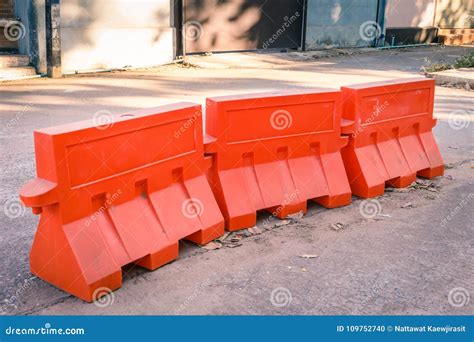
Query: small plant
(466,61)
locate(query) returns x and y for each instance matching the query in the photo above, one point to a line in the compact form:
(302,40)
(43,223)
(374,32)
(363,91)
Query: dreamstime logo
(457,209)
(458,297)
(281,297)
(192,208)
(289,198)
(103,297)
(281,119)
(369,30)
(288,21)
(14,30)
(192,30)
(103,119)
(13,299)
(378,109)
(187,124)
(107,204)
(370,208)
(459,119)
(13,208)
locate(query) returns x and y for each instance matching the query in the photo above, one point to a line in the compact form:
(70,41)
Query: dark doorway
(236,25)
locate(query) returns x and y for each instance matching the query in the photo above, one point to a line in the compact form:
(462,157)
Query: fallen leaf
(297,216)
(223,237)
(282,223)
(213,245)
(254,230)
(449,166)
(236,238)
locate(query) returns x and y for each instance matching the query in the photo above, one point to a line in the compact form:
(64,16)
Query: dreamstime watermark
(369,30)
(370,208)
(458,297)
(281,297)
(12,122)
(107,203)
(192,30)
(20,290)
(187,124)
(459,119)
(103,297)
(468,20)
(464,201)
(14,30)
(196,291)
(378,109)
(47,329)
(288,21)
(103,119)
(281,119)
(192,208)
(289,198)
(14,208)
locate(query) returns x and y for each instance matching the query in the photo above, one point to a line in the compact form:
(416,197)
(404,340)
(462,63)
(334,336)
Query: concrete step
(13,61)
(13,73)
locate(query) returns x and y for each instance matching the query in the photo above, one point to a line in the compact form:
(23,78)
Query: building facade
(69,36)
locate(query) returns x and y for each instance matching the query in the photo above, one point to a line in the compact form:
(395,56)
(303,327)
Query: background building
(68,36)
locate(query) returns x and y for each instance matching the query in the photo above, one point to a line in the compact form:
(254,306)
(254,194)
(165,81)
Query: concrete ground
(415,257)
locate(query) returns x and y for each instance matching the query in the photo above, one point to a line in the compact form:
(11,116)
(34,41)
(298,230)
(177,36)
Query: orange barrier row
(127,192)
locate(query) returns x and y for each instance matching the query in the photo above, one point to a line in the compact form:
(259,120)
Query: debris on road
(308,256)
(337,226)
(213,245)
(297,216)
(449,166)
(407,205)
(254,231)
(425,185)
(281,223)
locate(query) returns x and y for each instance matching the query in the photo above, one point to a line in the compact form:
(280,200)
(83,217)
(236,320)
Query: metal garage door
(341,23)
(233,25)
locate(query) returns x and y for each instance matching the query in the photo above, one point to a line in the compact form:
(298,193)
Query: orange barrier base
(85,256)
(395,162)
(281,187)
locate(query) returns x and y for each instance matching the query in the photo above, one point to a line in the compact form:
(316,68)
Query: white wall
(410,13)
(109,34)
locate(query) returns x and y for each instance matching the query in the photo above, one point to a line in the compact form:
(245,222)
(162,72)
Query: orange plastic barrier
(275,151)
(117,194)
(389,124)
